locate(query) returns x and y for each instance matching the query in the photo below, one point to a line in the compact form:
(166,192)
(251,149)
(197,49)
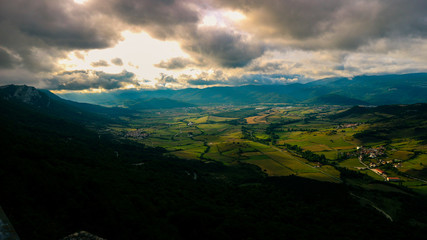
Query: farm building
(393,179)
(378,171)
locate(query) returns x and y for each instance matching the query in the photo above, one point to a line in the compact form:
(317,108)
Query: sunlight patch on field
(417,163)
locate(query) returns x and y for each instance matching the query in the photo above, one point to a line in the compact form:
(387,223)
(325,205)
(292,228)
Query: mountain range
(360,90)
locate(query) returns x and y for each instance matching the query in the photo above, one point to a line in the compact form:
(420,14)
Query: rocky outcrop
(25,94)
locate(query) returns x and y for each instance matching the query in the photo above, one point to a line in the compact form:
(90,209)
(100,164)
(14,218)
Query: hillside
(389,121)
(48,103)
(335,99)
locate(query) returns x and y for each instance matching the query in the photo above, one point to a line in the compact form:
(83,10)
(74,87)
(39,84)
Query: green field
(221,134)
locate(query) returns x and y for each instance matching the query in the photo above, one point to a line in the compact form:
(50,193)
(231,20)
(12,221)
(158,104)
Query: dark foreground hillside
(58,177)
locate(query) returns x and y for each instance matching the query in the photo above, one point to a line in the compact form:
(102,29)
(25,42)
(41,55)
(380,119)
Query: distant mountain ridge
(374,90)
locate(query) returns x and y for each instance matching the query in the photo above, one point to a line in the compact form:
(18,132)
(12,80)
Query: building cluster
(396,163)
(363,152)
(138,133)
(387,178)
(348,125)
(373,153)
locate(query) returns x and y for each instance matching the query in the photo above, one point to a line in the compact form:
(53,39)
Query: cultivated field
(262,134)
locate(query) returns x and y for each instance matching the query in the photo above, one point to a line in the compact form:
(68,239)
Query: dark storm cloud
(117,61)
(338,24)
(35,34)
(175,63)
(100,63)
(84,80)
(162,18)
(57,23)
(31,29)
(223,47)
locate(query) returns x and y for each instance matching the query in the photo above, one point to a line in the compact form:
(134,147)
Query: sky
(102,45)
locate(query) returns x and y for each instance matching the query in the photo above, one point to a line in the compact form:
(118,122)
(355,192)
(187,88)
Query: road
(373,205)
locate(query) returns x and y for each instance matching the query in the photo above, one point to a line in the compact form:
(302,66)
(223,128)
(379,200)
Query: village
(372,155)
(348,125)
(138,134)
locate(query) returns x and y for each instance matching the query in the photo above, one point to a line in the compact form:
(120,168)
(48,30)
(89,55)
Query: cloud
(100,63)
(58,23)
(88,79)
(202,82)
(273,66)
(219,78)
(6,60)
(204,79)
(163,19)
(307,38)
(179,21)
(165,80)
(266,79)
(223,47)
(331,24)
(34,28)
(117,61)
(175,63)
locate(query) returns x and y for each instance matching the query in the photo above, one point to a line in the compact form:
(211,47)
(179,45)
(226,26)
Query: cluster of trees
(248,134)
(307,154)
(271,130)
(235,122)
(288,121)
(341,156)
